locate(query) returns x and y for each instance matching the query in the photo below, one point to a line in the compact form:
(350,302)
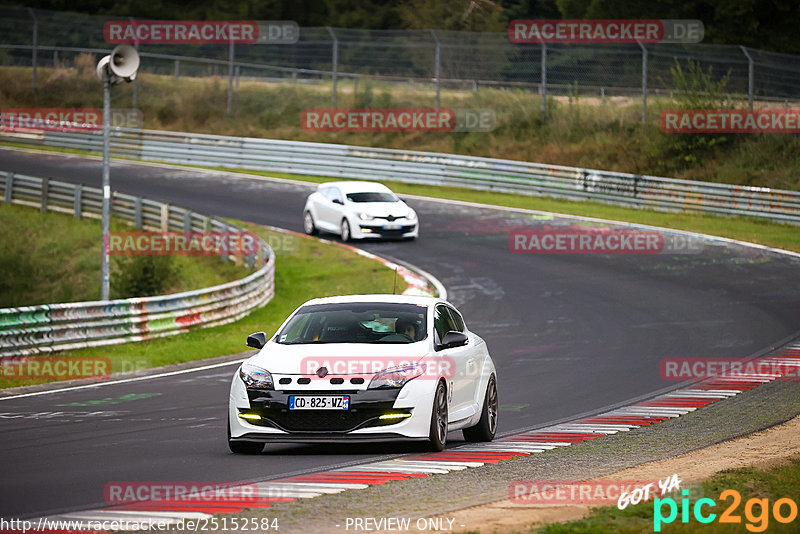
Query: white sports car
(359,210)
(365,368)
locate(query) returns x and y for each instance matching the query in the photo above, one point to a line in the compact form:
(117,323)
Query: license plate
(391,226)
(320,402)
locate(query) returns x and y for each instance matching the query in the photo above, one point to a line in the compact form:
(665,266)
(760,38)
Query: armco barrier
(53,327)
(638,191)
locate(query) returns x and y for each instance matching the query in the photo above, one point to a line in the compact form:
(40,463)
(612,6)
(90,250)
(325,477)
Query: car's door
(329,208)
(459,388)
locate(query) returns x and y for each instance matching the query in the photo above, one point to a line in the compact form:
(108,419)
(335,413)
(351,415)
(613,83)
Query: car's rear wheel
(438,430)
(487,426)
(345,230)
(243,447)
(308,224)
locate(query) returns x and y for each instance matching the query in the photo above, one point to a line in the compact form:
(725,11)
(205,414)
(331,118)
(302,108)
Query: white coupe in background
(364,368)
(359,210)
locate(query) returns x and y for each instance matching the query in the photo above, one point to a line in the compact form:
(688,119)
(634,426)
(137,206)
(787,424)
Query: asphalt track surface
(569,334)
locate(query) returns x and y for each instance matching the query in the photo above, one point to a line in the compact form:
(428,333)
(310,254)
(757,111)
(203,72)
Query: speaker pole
(104,292)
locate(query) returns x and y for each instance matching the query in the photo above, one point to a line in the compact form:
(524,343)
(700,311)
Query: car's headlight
(396,377)
(412,216)
(364,216)
(255,377)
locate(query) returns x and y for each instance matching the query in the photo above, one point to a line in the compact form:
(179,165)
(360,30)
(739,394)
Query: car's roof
(399,299)
(358,187)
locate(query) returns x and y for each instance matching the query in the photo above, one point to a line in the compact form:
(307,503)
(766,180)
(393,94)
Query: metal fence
(320,159)
(433,58)
(54,327)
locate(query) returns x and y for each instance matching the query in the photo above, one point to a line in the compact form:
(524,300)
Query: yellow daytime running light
(395,415)
(249,416)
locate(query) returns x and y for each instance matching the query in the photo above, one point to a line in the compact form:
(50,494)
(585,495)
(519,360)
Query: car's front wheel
(438,430)
(345,230)
(308,224)
(243,447)
(487,426)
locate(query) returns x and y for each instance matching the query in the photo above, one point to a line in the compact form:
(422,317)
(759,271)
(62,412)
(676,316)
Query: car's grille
(323,420)
(365,409)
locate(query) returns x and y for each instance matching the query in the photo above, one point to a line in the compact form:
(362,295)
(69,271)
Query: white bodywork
(466,383)
(329,206)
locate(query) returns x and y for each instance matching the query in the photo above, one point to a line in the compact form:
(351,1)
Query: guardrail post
(187,222)
(77,202)
(437,65)
(543,86)
(137,213)
(177,73)
(238,74)
(35,49)
(165,217)
(9,188)
(334,62)
(230,77)
(644,83)
(45,187)
(751,76)
(55,59)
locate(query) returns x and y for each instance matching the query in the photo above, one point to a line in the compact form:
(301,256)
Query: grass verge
(313,269)
(779,482)
(53,257)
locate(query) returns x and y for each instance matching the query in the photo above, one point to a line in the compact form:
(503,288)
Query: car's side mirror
(453,339)
(257,340)
(337,201)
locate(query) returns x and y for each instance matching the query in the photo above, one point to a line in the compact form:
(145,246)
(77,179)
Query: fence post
(55,59)
(165,217)
(644,83)
(543,89)
(751,81)
(177,68)
(45,187)
(437,66)
(35,49)
(230,77)
(9,187)
(334,61)
(77,202)
(137,213)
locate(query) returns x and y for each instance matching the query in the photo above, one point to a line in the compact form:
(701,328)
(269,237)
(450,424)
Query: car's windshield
(361,322)
(372,197)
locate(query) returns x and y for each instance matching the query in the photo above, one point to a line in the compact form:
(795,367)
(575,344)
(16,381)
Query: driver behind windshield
(406,327)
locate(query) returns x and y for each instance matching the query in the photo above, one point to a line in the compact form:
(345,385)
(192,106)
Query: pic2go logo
(756,511)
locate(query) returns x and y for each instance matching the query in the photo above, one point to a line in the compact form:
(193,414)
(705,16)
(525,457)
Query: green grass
(308,269)
(52,257)
(772,484)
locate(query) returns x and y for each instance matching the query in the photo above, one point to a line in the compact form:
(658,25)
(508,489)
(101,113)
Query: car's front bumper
(382,230)
(361,422)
